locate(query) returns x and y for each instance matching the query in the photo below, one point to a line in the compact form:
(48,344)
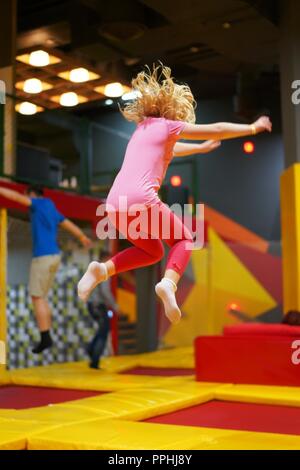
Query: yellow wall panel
(290,224)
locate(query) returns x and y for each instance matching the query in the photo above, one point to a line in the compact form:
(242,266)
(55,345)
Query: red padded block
(265,329)
(261,360)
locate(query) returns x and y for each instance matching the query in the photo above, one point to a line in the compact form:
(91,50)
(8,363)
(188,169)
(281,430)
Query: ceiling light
(69,99)
(108,102)
(39,58)
(226,25)
(26,108)
(114,90)
(79,75)
(131,95)
(33,85)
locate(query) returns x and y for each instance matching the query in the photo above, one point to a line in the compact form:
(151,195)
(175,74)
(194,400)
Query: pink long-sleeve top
(148,155)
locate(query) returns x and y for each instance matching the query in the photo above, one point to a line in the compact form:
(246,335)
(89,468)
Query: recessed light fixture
(39,58)
(33,85)
(27,108)
(69,99)
(112,90)
(108,102)
(79,75)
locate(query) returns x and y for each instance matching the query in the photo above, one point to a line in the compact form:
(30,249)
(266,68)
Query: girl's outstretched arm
(182,149)
(225,130)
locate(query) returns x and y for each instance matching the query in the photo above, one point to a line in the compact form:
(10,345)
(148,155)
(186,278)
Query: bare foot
(95,273)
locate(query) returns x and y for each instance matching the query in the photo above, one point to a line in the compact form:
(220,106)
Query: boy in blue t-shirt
(45,221)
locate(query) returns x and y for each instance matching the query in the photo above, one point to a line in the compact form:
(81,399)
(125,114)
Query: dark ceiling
(220,47)
(207,43)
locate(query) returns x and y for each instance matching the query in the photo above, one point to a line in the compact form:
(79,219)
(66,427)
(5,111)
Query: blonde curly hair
(159,96)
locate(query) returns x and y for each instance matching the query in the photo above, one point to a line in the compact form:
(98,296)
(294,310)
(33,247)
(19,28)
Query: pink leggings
(148,247)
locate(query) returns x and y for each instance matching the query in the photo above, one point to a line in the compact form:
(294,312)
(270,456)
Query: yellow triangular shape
(232,281)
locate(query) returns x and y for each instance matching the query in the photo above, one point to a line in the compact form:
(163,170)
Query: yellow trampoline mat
(14,433)
(125,435)
(263,394)
(109,421)
(140,404)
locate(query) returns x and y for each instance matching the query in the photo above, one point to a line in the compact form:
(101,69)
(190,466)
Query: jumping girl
(163,112)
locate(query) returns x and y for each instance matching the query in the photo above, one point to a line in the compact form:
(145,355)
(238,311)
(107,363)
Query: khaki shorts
(42,273)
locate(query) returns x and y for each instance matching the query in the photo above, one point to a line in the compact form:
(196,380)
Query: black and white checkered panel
(72,326)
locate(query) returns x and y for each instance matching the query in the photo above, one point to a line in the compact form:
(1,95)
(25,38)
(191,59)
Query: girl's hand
(210,145)
(263,124)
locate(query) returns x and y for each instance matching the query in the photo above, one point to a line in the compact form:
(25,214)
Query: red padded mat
(19,398)
(237,416)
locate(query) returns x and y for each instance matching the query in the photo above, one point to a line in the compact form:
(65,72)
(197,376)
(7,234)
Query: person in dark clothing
(99,305)
(96,347)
